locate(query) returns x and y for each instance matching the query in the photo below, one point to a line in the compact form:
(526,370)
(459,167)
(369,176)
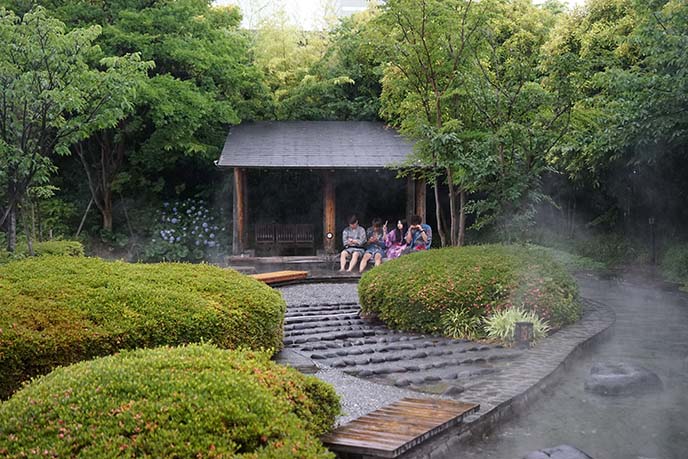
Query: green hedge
(186,402)
(414,292)
(674,263)
(54,247)
(60,310)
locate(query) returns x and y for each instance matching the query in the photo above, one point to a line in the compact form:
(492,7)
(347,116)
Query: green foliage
(191,401)
(45,248)
(568,260)
(57,89)
(60,310)
(344,84)
(674,263)
(186,231)
(501,324)
(416,291)
(460,324)
(60,248)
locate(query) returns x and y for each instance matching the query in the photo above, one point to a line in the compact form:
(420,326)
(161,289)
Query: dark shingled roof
(314,144)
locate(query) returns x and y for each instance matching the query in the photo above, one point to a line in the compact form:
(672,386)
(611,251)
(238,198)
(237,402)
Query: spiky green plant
(501,325)
(461,324)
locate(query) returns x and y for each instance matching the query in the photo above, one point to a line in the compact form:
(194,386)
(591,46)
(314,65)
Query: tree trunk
(453,214)
(462,217)
(12,228)
(29,237)
(438,213)
(107,207)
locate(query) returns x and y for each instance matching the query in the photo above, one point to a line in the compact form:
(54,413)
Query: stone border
(508,393)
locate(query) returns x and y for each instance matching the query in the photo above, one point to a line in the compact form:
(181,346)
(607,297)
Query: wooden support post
(410,198)
(329,212)
(240,200)
(421,194)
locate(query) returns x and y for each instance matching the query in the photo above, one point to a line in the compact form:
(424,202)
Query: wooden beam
(329,212)
(421,198)
(410,197)
(239,215)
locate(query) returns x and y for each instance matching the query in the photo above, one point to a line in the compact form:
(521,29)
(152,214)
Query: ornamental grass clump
(186,402)
(451,291)
(501,325)
(60,310)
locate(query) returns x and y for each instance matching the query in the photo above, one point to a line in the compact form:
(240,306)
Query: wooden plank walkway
(396,428)
(280,276)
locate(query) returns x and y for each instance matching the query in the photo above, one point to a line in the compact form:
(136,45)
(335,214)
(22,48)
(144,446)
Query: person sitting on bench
(375,247)
(353,238)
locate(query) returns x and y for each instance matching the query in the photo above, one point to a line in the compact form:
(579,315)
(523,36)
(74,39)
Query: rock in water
(558,452)
(621,379)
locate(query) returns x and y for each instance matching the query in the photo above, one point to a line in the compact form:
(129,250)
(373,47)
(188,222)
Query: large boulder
(622,378)
(558,452)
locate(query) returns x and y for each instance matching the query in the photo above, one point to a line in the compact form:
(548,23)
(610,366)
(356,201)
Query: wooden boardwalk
(396,428)
(277,277)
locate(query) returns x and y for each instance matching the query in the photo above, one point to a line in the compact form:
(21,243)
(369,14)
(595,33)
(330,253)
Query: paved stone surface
(322,323)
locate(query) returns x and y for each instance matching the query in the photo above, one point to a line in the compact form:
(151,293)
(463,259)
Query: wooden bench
(396,428)
(277,277)
(278,236)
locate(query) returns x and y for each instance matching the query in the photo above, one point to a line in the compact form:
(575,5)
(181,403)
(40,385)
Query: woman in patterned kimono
(395,241)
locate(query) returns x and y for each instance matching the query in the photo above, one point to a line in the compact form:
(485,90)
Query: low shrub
(60,310)
(45,248)
(55,247)
(192,401)
(674,263)
(417,292)
(501,324)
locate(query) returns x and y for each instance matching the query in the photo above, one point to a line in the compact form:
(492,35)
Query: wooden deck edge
(353,447)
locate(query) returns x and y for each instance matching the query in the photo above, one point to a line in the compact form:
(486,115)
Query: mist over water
(651,330)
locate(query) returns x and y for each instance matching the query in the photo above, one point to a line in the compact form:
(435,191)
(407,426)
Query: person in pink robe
(395,241)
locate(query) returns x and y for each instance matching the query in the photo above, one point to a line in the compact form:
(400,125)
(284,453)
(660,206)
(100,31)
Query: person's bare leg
(342,260)
(378,259)
(364,262)
(354,260)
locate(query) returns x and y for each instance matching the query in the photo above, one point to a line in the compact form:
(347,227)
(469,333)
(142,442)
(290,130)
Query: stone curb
(508,393)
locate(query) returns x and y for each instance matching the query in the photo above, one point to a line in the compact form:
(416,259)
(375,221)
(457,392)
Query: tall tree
(521,110)
(202,81)
(426,45)
(51,98)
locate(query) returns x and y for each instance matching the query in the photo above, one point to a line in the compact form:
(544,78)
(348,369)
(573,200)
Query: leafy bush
(53,247)
(60,310)
(186,231)
(415,292)
(193,401)
(674,263)
(568,260)
(66,248)
(501,324)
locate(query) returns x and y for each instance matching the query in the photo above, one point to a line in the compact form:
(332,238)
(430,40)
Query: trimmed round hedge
(413,292)
(61,310)
(192,401)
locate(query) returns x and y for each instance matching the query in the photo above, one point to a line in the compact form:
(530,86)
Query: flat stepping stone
(396,428)
(558,452)
(610,378)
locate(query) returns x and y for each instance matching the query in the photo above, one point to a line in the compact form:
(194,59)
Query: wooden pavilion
(324,147)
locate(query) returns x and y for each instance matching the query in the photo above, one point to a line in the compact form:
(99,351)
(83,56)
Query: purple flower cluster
(186,230)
